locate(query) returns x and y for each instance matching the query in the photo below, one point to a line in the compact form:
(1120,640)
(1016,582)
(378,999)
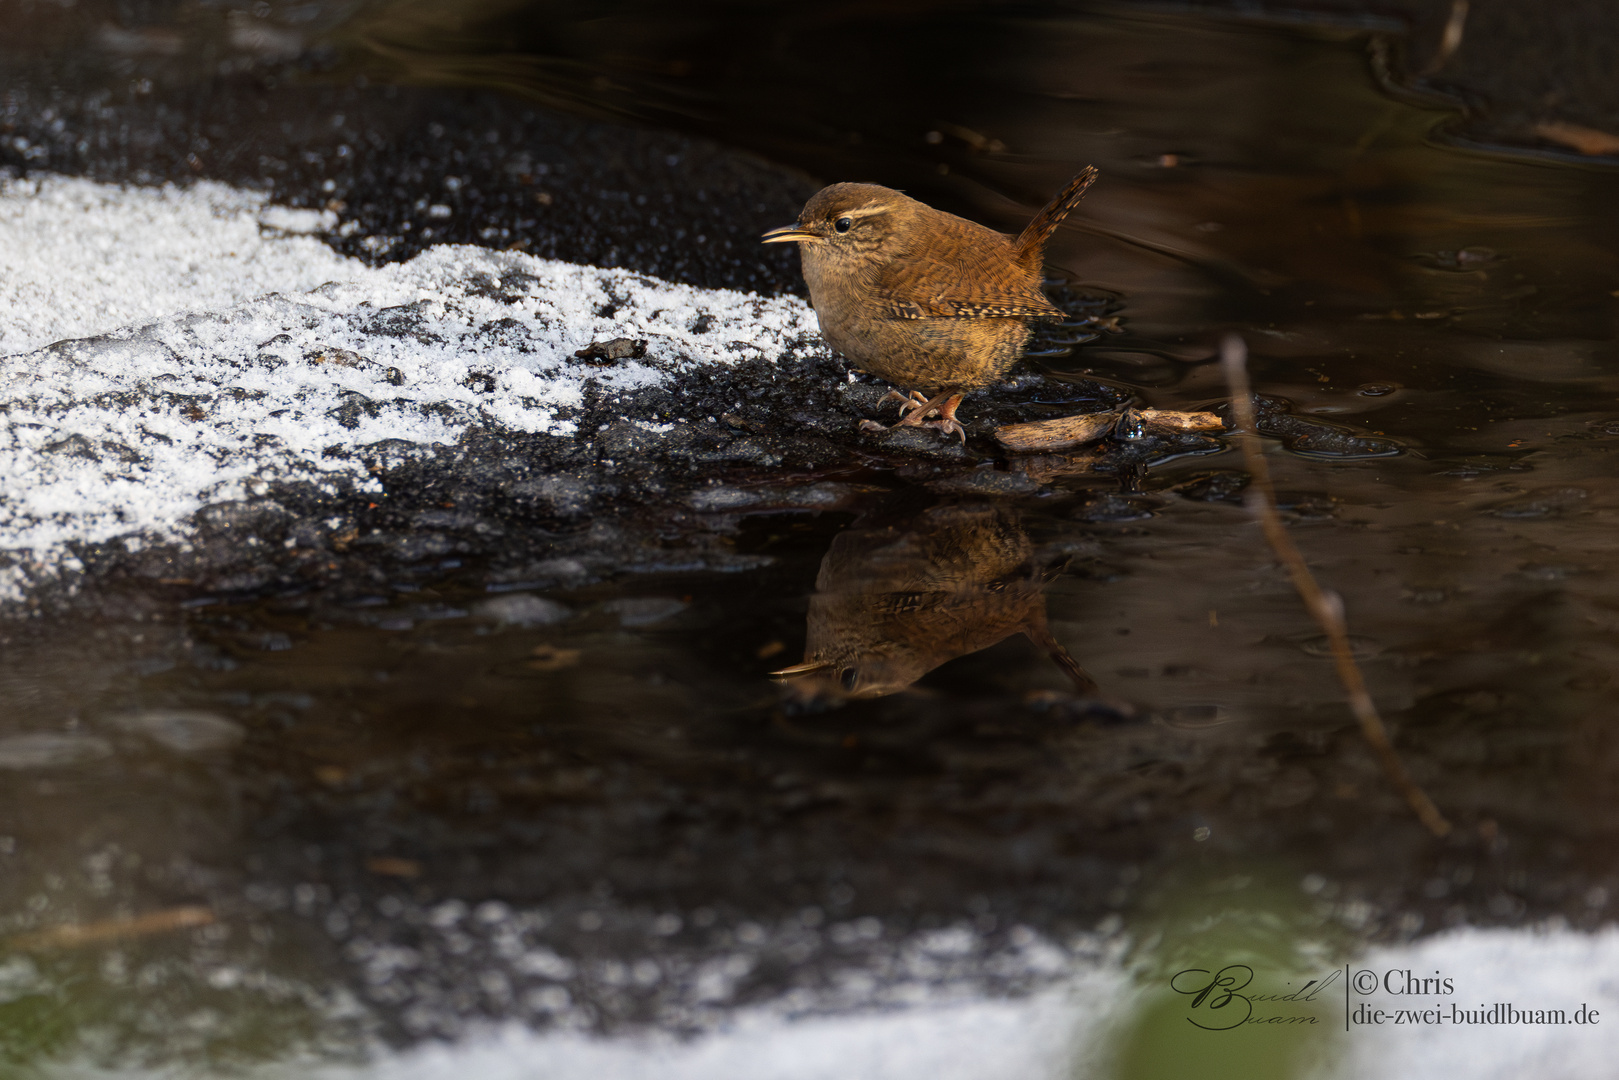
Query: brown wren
(929,301)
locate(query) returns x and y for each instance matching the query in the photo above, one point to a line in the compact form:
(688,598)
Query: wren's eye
(843,223)
(851,676)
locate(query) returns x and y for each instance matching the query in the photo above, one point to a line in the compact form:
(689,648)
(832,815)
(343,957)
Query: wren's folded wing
(976,281)
(998,307)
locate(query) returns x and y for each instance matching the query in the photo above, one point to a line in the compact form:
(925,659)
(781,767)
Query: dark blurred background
(328,103)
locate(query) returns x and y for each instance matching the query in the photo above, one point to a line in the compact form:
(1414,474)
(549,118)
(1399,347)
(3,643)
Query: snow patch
(216,353)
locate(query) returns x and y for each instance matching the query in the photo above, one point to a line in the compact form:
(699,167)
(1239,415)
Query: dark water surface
(406,807)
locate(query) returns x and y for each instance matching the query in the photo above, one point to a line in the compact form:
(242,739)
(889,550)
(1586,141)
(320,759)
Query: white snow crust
(213,346)
(1072,1029)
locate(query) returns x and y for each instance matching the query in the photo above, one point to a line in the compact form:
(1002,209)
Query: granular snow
(215,350)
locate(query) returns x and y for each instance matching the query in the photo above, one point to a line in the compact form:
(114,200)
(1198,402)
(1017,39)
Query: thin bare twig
(1327,608)
(1451,39)
(152,922)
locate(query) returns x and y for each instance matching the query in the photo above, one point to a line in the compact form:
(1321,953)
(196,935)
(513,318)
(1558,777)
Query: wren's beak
(788,232)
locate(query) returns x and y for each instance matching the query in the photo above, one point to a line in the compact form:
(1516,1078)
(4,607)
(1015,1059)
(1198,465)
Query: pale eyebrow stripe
(867,210)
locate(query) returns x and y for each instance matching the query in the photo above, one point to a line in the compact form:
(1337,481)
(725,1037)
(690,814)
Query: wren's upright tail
(1032,240)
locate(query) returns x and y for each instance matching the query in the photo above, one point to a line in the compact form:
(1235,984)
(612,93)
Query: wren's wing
(965,271)
(979,307)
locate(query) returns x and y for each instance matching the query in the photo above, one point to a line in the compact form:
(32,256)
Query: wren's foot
(945,405)
(949,427)
(907,402)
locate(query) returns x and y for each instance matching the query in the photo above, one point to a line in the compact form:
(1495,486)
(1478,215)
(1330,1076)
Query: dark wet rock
(242,516)
(444,518)
(748,451)
(1307,435)
(918,442)
(480,382)
(561,495)
(725,498)
(1112,508)
(355,406)
(986,481)
(74,446)
(405,321)
(414,547)
(121,452)
(765,498)
(626,439)
(1216,486)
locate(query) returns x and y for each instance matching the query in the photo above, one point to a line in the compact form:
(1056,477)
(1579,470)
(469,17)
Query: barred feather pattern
(1035,234)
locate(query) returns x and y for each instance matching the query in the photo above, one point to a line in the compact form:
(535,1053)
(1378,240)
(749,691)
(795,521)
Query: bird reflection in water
(901,593)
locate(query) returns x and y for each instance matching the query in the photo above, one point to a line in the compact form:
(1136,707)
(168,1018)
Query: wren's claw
(944,406)
(907,402)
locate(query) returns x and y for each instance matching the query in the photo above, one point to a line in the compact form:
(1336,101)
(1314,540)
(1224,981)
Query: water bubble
(1361,648)
(1196,717)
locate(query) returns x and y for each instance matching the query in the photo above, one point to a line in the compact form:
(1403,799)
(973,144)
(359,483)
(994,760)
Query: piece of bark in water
(1057,434)
(1168,422)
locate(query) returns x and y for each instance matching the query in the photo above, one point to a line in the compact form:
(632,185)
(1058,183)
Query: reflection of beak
(788,232)
(800,669)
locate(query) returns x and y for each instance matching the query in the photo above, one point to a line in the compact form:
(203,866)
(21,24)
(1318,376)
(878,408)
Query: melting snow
(215,348)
